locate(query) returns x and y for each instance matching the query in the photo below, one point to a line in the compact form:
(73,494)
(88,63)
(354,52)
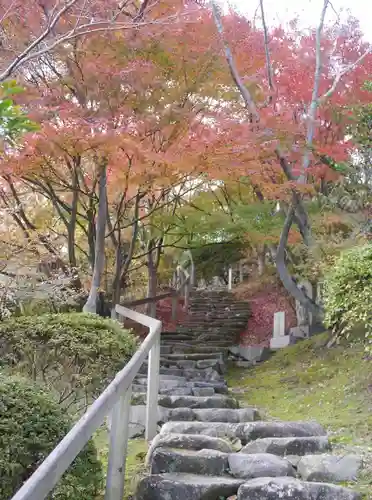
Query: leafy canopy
(13,120)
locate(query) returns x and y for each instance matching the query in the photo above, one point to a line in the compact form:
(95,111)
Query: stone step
(163,415)
(173,384)
(226,309)
(207,374)
(246,432)
(221,343)
(329,468)
(238,415)
(216,330)
(195,356)
(207,462)
(217,401)
(211,322)
(186,487)
(187,442)
(289,446)
(286,488)
(219,314)
(180,486)
(216,463)
(207,364)
(178,348)
(169,391)
(189,364)
(203,337)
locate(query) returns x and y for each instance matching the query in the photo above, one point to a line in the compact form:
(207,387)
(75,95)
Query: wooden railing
(183,281)
(115,401)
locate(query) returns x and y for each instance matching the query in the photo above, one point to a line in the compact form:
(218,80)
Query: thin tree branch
(314,98)
(342,73)
(248,100)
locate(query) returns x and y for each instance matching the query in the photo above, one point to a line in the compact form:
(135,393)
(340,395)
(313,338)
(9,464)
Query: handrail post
(153,390)
(230,278)
(119,433)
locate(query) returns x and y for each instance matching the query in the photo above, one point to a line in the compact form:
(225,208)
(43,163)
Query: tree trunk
(71,228)
(283,272)
(99,257)
(261,260)
(152,286)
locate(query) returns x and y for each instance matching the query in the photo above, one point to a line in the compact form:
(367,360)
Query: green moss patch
(135,464)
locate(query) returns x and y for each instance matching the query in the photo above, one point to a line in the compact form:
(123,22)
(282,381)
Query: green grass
(308,381)
(135,468)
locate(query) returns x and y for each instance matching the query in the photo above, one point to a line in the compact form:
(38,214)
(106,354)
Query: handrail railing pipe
(115,399)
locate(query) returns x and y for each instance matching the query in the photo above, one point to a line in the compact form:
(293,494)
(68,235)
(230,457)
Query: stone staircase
(210,449)
(216,316)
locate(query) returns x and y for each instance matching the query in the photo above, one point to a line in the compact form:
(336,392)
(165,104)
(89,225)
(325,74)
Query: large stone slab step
(186,487)
(286,488)
(179,486)
(187,442)
(329,468)
(217,401)
(193,345)
(194,356)
(246,432)
(169,382)
(216,463)
(214,415)
(166,391)
(197,364)
(289,445)
(181,348)
(204,462)
(164,414)
(207,374)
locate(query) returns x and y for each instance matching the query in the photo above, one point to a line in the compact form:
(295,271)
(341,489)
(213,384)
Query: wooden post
(118,447)
(241,275)
(192,274)
(152,309)
(230,278)
(174,307)
(153,390)
(187,295)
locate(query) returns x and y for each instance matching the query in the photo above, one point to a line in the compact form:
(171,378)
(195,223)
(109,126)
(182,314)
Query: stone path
(210,449)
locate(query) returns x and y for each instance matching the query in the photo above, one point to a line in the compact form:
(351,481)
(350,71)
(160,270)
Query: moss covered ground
(135,468)
(309,381)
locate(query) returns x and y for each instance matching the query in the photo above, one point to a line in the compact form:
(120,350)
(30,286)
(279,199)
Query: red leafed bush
(265,299)
(164,313)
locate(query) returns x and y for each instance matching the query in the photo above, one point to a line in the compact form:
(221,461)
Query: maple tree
(34,28)
(161,121)
(296,122)
(99,138)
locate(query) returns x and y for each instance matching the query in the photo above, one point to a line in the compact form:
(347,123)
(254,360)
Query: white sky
(281,11)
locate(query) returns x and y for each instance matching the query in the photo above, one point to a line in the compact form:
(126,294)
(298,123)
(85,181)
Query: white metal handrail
(116,398)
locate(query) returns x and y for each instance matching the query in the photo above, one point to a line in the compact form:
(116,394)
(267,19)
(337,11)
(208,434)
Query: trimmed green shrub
(31,425)
(74,355)
(348,293)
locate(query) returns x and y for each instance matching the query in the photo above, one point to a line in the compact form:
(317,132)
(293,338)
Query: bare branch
(342,73)
(25,55)
(270,75)
(32,51)
(248,100)
(314,98)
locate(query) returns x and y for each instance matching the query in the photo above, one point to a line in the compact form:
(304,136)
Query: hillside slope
(308,381)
